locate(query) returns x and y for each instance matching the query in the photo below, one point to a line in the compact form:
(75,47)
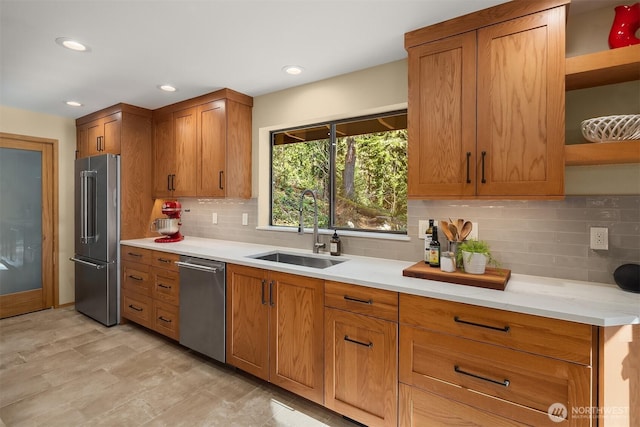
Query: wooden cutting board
(493,278)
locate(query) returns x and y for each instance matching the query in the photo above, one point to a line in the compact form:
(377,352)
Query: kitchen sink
(296,259)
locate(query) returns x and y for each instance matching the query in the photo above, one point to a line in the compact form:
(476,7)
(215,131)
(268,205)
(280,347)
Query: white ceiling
(198,46)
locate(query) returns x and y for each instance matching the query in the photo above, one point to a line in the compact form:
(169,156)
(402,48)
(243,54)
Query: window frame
(332,170)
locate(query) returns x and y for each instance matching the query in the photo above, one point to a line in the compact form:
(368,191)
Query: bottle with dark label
(335,244)
(434,249)
(428,235)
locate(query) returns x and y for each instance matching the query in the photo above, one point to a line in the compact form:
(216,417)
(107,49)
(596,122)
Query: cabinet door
(442,118)
(212,143)
(296,335)
(185,133)
(521,106)
(95,134)
(111,134)
(248,320)
(164,155)
(82,142)
(361,367)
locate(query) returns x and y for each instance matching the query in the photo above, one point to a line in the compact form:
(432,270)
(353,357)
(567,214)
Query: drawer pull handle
(164,320)
(134,254)
(480,325)
(361,301)
(133,307)
(364,344)
(161,285)
(138,278)
(504,383)
(166,261)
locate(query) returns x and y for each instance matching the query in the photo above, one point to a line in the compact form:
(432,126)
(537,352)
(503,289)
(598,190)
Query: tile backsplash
(543,238)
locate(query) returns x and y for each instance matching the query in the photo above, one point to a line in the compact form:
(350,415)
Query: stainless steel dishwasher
(202,306)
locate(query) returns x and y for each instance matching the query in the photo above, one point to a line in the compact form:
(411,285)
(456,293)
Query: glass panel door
(28,217)
(20,220)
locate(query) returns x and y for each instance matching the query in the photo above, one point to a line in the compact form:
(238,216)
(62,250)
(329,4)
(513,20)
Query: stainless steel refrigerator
(97,233)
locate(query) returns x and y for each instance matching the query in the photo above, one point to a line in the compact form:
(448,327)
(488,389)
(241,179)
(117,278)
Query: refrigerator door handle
(87,206)
(91,264)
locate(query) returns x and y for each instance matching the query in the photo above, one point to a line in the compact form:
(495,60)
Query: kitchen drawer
(166,286)
(137,308)
(136,278)
(130,253)
(362,299)
(418,408)
(429,359)
(550,337)
(165,260)
(166,319)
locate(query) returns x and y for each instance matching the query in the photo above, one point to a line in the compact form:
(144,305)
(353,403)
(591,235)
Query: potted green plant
(474,255)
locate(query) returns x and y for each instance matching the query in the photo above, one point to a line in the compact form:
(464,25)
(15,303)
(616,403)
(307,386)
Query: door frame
(48,295)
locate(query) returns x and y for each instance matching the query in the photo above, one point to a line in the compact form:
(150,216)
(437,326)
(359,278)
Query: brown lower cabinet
(151,290)
(462,365)
(361,369)
(275,328)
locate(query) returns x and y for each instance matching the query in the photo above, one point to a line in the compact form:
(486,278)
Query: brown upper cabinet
(99,136)
(202,147)
(175,153)
(486,104)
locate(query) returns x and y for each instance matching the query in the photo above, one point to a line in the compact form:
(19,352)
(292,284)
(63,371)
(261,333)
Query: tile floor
(60,368)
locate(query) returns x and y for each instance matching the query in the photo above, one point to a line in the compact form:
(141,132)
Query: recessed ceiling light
(73,103)
(72,44)
(167,88)
(294,70)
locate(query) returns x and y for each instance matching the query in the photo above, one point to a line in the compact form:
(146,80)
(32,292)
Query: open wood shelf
(599,69)
(602,153)
(603,68)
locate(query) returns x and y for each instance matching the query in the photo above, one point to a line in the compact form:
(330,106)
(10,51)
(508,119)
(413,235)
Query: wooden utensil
(454,232)
(466,229)
(444,226)
(460,224)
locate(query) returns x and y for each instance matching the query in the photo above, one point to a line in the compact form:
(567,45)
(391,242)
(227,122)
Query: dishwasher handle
(198,266)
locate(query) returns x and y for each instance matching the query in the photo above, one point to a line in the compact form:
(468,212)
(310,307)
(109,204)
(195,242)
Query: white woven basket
(612,128)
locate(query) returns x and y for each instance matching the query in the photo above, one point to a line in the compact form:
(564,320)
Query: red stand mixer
(170,226)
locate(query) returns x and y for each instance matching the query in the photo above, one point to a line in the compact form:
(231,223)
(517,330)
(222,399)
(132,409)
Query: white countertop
(584,302)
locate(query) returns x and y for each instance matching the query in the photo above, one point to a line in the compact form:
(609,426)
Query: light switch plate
(214,218)
(245,219)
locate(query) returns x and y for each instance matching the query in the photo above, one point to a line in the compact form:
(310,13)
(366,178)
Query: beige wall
(29,123)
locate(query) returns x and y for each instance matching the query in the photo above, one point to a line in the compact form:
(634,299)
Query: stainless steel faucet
(316,242)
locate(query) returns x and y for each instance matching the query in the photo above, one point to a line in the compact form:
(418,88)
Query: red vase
(625,25)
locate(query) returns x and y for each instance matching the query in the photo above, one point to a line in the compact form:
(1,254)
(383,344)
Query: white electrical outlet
(423,224)
(214,218)
(245,219)
(599,238)
(474,232)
